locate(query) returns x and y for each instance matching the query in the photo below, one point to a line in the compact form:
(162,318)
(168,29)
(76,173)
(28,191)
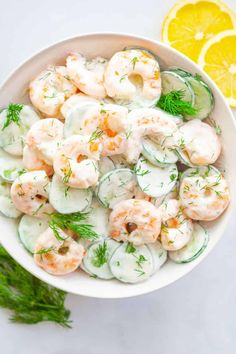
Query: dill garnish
(174,104)
(13,114)
(30,300)
(96,135)
(100,255)
(130,248)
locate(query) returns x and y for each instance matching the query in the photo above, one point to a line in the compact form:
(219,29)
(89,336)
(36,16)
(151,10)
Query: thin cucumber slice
(180,71)
(29,229)
(116,186)
(183,157)
(68,200)
(131,267)
(159,255)
(105,164)
(171,81)
(194,248)
(156,154)
(7,207)
(98,218)
(10,166)
(97,259)
(155,181)
(13,136)
(202,171)
(204,99)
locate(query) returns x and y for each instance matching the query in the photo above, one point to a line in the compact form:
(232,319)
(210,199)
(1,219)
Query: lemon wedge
(191,23)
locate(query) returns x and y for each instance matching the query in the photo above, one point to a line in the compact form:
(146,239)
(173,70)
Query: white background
(196,315)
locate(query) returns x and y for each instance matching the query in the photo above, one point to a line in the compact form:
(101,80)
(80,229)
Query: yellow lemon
(191,23)
(218,59)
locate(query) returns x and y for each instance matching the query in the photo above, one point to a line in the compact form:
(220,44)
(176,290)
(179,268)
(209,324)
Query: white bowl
(91,45)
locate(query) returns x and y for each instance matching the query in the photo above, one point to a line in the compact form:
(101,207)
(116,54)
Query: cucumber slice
(116,186)
(10,166)
(155,181)
(68,200)
(204,99)
(180,71)
(29,229)
(171,81)
(203,171)
(105,165)
(7,207)
(131,267)
(159,255)
(12,137)
(194,248)
(96,261)
(156,154)
(98,218)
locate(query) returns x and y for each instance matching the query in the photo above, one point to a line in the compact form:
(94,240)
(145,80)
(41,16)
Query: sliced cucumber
(96,261)
(194,248)
(202,171)
(159,255)
(156,154)
(180,71)
(10,166)
(116,186)
(7,207)
(131,267)
(12,137)
(29,229)
(155,181)
(68,200)
(98,218)
(105,165)
(171,81)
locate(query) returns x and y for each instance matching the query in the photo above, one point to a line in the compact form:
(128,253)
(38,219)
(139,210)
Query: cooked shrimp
(58,257)
(204,194)
(176,229)
(200,142)
(123,74)
(134,220)
(49,90)
(76,161)
(45,137)
(33,162)
(87,75)
(29,193)
(148,122)
(74,102)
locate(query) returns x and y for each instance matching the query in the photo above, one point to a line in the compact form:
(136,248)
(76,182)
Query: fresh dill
(29,299)
(130,248)
(100,255)
(134,61)
(140,260)
(67,175)
(96,135)
(13,114)
(139,172)
(174,104)
(173,177)
(44,250)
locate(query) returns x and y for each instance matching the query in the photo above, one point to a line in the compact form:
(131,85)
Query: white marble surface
(197,314)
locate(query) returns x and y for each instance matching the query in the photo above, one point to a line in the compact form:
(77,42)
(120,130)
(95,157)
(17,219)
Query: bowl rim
(85,35)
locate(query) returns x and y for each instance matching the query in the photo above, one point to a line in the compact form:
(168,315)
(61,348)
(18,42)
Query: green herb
(21,172)
(100,255)
(123,77)
(44,250)
(174,104)
(67,175)
(96,135)
(134,61)
(8,173)
(173,177)
(140,260)
(130,248)
(66,191)
(30,300)
(198,77)
(71,222)
(182,144)
(141,272)
(214,125)
(54,95)
(139,172)
(13,114)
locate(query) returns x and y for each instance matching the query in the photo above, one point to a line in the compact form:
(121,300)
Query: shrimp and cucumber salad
(111,168)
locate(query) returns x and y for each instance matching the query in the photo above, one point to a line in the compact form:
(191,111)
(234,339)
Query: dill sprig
(13,114)
(100,255)
(96,135)
(30,300)
(174,104)
(71,222)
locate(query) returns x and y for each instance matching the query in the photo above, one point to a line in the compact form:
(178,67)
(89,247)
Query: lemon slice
(218,59)
(191,23)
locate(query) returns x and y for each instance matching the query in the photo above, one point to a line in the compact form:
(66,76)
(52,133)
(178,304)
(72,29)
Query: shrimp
(45,136)
(134,220)
(200,142)
(87,75)
(74,102)
(58,257)
(49,90)
(76,161)
(177,229)
(33,162)
(123,74)
(149,122)
(29,193)
(204,194)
